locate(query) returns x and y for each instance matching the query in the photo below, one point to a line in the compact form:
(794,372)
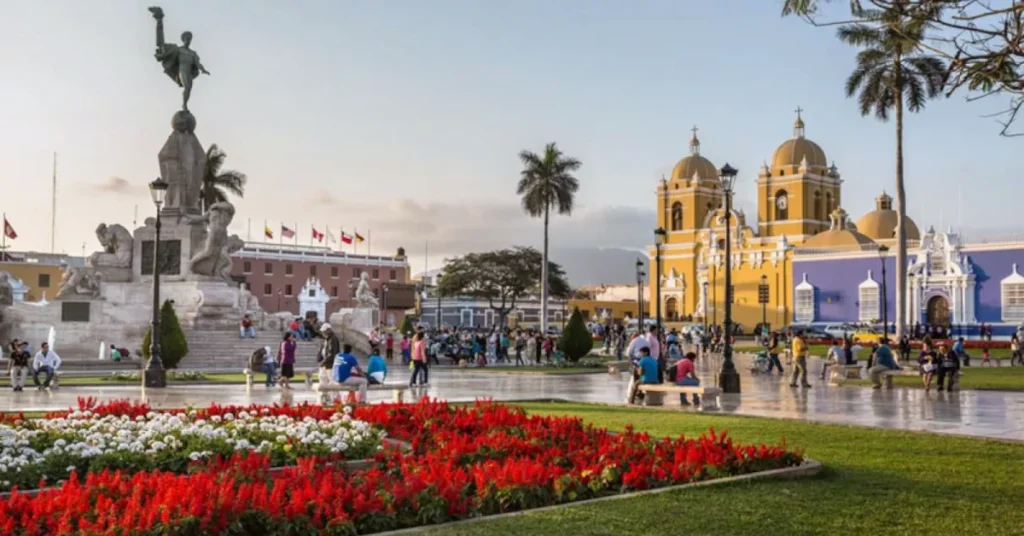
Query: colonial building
(36,276)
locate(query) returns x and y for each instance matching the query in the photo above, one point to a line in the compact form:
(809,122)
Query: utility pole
(53,208)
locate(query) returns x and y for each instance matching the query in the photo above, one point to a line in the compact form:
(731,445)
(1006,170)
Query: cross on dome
(798,125)
(694,142)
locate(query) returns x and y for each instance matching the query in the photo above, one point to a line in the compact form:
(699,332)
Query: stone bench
(615,367)
(888,375)
(840,373)
(397,389)
(654,392)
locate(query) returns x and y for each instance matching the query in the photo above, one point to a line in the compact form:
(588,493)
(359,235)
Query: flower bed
(465,462)
(43,451)
(172,375)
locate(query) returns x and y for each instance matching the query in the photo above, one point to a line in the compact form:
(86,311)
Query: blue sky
(405,117)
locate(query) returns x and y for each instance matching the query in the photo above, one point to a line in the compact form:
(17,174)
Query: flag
(267,232)
(317,235)
(9,230)
(286,232)
(346,239)
(359,238)
(330,236)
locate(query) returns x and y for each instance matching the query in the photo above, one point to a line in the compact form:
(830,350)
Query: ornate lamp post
(155,375)
(640,295)
(728,378)
(659,239)
(883,251)
(762,297)
(384,303)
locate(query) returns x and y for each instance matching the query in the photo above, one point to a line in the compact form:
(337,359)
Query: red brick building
(276,274)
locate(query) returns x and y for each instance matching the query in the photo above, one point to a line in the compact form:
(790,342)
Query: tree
(546,182)
(893,72)
(408,325)
(980,42)
(576,341)
(216,183)
(173,345)
(501,277)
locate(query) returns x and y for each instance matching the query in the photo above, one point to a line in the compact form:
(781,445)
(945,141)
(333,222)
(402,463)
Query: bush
(576,340)
(173,346)
(408,325)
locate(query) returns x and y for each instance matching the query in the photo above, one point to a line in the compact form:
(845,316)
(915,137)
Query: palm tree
(216,183)
(893,71)
(547,183)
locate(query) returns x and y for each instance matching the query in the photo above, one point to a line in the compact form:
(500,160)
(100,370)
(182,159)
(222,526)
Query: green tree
(217,183)
(576,341)
(892,73)
(546,182)
(173,345)
(501,277)
(408,325)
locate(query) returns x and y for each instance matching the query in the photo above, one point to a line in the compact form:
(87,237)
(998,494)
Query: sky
(403,119)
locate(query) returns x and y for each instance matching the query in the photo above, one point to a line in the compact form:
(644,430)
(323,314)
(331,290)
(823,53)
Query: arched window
(672,309)
(819,210)
(677,216)
(828,204)
(781,205)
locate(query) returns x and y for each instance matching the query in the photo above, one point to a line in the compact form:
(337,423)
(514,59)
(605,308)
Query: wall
(29,273)
(990,267)
(837,281)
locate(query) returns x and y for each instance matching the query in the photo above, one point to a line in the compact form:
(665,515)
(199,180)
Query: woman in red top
(419,360)
(686,375)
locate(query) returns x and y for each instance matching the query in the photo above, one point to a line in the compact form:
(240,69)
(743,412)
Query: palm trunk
(901,214)
(544,278)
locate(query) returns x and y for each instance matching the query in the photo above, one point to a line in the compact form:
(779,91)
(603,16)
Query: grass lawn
(822,350)
(874,482)
(975,377)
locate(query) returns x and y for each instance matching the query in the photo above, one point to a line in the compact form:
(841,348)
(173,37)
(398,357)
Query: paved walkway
(975,413)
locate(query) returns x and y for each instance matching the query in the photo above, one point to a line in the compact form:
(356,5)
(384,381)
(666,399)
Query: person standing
(286,356)
(929,362)
(949,366)
(346,371)
(773,354)
(389,346)
(406,346)
(18,365)
(419,361)
(504,344)
(799,361)
(904,349)
(45,362)
(960,352)
(520,346)
(883,362)
(329,349)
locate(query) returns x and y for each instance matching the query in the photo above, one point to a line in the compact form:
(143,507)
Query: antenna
(53,208)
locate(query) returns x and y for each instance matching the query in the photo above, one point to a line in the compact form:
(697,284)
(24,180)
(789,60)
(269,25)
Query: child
(986,358)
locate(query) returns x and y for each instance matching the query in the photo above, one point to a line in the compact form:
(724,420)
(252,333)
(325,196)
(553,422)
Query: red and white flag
(286,232)
(9,231)
(346,239)
(317,235)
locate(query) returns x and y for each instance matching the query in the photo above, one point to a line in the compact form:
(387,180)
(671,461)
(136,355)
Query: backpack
(671,373)
(256,359)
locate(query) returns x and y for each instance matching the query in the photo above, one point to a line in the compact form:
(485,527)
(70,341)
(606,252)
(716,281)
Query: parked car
(867,336)
(816,336)
(840,331)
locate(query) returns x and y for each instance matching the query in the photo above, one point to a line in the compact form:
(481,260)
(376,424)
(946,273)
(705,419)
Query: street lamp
(705,298)
(640,295)
(762,297)
(659,239)
(155,375)
(883,251)
(384,303)
(728,378)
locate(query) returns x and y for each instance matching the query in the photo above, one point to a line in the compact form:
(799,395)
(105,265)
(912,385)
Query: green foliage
(173,345)
(576,341)
(547,182)
(216,183)
(408,325)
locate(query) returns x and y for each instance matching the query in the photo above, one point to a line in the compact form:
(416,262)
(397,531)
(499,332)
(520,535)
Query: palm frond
(859,35)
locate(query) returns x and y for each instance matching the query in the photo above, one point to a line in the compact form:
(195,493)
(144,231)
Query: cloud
(117,185)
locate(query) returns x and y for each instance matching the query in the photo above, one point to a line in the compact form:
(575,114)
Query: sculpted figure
(364,294)
(117,247)
(78,281)
(211,259)
(6,292)
(234,244)
(180,62)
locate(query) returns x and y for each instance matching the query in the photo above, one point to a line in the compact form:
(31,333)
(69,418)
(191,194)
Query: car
(867,336)
(816,336)
(839,331)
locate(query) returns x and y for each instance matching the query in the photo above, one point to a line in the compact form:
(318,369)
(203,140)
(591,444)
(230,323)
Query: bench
(888,375)
(615,367)
(840,373)
(397,389)
(654,392)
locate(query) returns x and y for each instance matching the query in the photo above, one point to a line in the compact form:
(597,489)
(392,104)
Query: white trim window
(803,311)
(868,293)
(1012,294)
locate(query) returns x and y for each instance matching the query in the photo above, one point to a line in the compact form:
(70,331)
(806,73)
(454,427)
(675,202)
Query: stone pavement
(975,413)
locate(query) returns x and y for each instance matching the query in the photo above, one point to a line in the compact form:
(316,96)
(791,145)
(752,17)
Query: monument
(111,297)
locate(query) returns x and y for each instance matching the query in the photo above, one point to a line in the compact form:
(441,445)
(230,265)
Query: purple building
(949,283)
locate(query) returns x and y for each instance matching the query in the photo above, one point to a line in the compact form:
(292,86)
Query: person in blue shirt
(346,370)
(648,367)
(376,369)
(958,350)
(884,362)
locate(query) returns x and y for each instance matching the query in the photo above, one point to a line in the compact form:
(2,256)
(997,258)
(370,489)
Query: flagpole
(280,239)
(265,227)
(248,229)
(3,244)
(369,242)
(53,208)
(296,235)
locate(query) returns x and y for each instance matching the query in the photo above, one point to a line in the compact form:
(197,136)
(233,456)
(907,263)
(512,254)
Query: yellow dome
(880,224)
(694,164)
(840,236)
(793,151)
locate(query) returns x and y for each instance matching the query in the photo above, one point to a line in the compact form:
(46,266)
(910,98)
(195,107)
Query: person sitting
(883,362)
(115,353)
(686,376)
(246,328)
(833,358)
(17,365)
(294,329)
(949,366)
(46,362)
(347,372)
(376,369)
(645,370)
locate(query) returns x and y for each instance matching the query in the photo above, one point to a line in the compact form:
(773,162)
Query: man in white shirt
(45,361)
(638,342)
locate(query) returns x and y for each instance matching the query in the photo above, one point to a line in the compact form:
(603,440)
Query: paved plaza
(993,414)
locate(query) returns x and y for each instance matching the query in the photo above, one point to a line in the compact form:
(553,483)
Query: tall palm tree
(547,183)
(216,183)
(893,72)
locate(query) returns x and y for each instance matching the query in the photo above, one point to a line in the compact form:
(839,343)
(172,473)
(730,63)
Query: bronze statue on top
(180,62)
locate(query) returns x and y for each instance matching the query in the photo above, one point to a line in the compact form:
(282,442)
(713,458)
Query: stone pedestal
(182,165)
(361,320)
(178,242)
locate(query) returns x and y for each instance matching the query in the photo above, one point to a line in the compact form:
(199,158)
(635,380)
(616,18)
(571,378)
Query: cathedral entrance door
(938,311)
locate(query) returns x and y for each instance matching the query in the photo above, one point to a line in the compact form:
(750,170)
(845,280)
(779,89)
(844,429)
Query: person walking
(46,362)
(389,346)
(904,349)
(949,367)
(18,365)
(419,361)
(286,357)
(883,362)
(773,353)
(329,349)
(531,349)
(520,346)
(929,362)
(799,361)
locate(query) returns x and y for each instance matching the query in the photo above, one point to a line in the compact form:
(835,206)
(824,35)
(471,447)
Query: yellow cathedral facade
(799,195)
